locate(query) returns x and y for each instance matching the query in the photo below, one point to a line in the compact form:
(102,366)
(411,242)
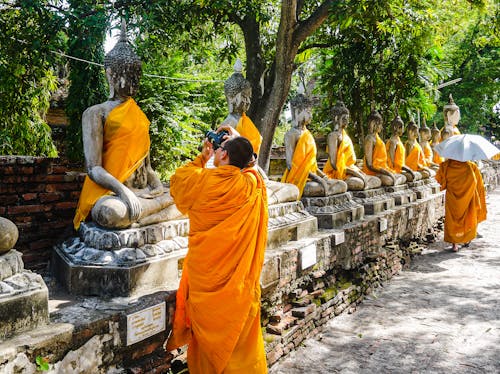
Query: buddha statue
(425,137)
(446,132)
(121,188)
(451,113)
(300,147)
(435,139)
(415,158)
(396,152)
(341,163)
(238,92)
(375,160)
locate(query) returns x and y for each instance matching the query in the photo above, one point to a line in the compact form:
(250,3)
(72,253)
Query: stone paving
(440,316)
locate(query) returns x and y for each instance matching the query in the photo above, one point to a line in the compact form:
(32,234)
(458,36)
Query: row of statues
(122,190)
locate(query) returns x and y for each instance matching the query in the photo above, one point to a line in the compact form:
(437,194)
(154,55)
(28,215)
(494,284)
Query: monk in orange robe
(218,300)
(465,204)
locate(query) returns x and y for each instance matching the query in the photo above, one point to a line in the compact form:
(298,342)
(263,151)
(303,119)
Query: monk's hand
(207,151)
(132,202)
(231,130)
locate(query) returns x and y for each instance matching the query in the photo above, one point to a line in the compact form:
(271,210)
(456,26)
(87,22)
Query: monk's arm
(187,182)
(92,133)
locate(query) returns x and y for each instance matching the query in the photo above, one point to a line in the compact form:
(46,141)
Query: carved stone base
(433,184)
(23,296)
(334,211)
(374,201)
(421,189)
(401,194)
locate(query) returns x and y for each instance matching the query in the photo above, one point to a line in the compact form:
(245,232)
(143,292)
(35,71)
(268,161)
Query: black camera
(216,138)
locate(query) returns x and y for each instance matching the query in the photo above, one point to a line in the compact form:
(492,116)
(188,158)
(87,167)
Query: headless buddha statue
(435,139)
(415,158)
(397,154)
(238,92)
(341,162)
(451,113)
(121,188)
(302,168)
(425,137)
(375,161)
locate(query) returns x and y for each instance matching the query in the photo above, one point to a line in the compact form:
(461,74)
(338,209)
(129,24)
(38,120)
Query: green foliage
(27,33)
(42,364)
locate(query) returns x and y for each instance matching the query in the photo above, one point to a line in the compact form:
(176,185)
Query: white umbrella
(466,147)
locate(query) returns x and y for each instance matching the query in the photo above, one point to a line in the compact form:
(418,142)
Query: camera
(216,138)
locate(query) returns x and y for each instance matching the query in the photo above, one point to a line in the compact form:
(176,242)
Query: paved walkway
(440,316)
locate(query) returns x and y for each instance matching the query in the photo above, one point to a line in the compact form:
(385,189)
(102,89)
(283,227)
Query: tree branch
(309,25)
(313,45)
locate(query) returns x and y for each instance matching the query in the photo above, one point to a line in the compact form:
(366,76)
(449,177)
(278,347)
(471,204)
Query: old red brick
(29,196)
(28,209)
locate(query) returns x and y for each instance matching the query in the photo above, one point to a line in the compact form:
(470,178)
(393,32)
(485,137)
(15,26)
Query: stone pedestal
(421,189)
(23,296)
(374,201)
(334,211)
(433,185)
(401,194)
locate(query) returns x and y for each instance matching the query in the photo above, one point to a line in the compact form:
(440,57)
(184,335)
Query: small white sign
(146,323)
(308,256)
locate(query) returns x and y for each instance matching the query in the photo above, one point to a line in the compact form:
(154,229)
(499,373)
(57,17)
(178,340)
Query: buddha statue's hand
(149,192)
(132,202)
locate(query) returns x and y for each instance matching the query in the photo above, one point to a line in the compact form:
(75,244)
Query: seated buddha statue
(375,160)
(121,188)
(396,153)
(238,92)
(451,113)
(300,147)
(435,139)
(415,158)
(425,137)
(341,163)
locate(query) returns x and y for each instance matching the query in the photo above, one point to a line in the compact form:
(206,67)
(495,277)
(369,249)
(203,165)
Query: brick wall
(39,195)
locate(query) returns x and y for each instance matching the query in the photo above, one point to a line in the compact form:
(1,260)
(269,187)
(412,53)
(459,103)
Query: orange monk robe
(415,160)
(345,158)
(247,129)
(125,145)
(428,153)
(303,162)
(399,156)
(379,158)
(465,204)
(218,300)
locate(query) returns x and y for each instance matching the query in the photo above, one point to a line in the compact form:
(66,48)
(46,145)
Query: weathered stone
(8,235)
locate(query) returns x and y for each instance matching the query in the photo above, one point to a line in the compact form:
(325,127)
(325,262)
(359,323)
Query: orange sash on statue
(247,129)
(345,158)
(125,145)
(379,158)
(465,204)
(415,160)
(399,156)
(218,300)
(428,153)
(303,162)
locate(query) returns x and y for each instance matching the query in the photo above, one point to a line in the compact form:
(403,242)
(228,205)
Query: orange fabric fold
(303,162)
(379,158)
(465,204)
(346,157)
(218,300)
(125,145)
(247,129)
(428,154)
(415,160)
(399,156)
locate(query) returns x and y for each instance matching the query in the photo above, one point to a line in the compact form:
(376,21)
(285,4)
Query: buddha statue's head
(238,90)
(424,131)
(435,134)
(123,68)
(446,132)
(340,116)
(301,106)
(375,122)
(412,131)
(397,125)
(451,113)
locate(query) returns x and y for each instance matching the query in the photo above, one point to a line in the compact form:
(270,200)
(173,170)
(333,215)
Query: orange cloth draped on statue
(303,162)
(379,158)
(125,145)
(415,160)
(399,156)
(345,158)
(465,204)
(436,158)
(428,153)
(218,300)
(247,129)
(456,131)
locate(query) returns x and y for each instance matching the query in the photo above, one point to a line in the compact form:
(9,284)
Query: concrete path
(440,316)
